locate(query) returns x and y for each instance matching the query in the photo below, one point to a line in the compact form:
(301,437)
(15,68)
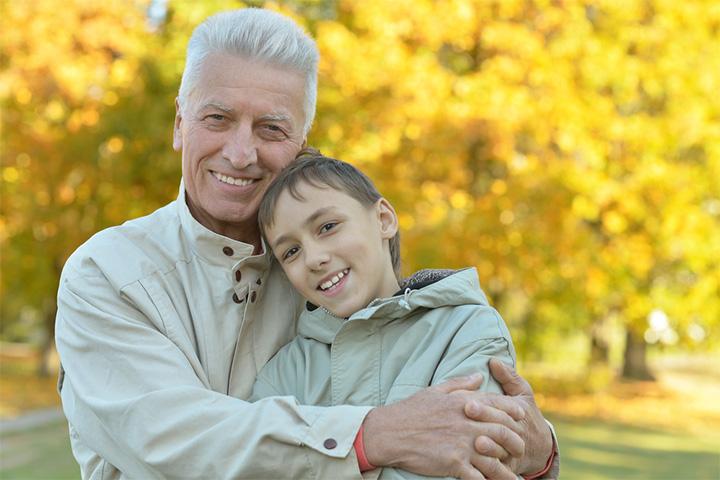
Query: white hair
(255,34)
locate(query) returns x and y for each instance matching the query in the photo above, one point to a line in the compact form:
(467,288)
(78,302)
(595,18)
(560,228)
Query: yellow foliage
(570,150)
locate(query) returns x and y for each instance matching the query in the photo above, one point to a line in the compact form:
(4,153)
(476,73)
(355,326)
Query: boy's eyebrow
(310,219)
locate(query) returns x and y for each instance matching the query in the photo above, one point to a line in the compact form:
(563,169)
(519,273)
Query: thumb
(511,383)
(470,382)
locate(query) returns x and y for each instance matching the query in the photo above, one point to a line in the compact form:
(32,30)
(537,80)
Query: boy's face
(334,250)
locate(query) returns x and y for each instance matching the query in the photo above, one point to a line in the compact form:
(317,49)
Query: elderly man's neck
(246,231)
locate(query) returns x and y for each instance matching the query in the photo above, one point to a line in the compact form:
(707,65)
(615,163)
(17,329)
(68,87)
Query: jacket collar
(436,288)
(213,247)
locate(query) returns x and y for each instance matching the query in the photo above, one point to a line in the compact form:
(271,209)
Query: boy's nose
(316,258)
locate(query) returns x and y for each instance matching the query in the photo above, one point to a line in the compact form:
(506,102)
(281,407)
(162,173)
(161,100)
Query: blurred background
(569,149)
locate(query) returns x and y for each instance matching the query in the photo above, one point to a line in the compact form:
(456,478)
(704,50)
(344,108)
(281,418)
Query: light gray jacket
(162,326)
(392,348)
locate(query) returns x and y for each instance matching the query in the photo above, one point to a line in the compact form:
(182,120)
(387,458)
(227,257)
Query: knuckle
(483,444)
(502,434)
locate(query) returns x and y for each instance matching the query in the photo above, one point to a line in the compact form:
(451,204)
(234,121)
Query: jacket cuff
(334,429)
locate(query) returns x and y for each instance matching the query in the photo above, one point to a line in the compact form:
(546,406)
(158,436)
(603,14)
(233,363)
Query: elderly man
(163,322)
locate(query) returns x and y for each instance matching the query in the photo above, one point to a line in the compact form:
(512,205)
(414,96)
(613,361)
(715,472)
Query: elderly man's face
(241,125)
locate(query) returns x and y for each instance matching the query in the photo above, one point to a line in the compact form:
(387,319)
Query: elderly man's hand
(430,434)
(497,458)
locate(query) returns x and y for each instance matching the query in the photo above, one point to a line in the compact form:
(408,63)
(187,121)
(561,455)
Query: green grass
(591,450)
(594,450)
(41,453)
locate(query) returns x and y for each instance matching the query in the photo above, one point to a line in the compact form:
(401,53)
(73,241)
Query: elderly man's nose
(240,150)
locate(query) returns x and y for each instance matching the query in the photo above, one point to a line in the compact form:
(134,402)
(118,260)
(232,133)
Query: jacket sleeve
(483,336)
(134,398)
(280,375)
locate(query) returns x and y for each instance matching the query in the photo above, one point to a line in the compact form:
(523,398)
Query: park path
(36,418)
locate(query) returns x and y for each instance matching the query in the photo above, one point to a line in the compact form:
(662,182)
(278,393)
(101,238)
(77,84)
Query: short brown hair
(311,167)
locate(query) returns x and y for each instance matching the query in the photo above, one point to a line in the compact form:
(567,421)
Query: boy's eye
(290,252)
(327,227)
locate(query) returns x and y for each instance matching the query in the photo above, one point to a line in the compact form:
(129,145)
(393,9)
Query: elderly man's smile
(241,182)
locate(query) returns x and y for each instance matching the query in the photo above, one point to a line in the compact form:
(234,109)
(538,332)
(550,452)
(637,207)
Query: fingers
(475,408)
(504,437)
(492,468)
(509,380)
(488,414)
(487,447)
(471,382)
(469,472)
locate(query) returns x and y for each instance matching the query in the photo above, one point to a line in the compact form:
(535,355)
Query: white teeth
(233,181)
(334,280)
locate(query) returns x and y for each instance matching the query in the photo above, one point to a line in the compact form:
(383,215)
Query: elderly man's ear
(177,133)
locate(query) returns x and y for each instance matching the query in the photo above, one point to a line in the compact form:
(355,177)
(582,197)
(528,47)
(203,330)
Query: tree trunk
(44,367)
(599,347)
(635,360)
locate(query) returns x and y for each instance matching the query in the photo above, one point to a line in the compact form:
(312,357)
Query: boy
(374,340)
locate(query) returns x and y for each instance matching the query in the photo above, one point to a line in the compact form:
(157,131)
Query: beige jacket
(440,328)
(162,326)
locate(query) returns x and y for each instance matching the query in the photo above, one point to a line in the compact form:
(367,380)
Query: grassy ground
(602,450)
(668,429)
(40,453)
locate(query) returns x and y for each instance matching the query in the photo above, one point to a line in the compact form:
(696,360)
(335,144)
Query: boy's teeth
(233,181)
(335,279)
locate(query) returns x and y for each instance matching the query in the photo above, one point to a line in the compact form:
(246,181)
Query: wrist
(359,445)
(379,449)
(543,455)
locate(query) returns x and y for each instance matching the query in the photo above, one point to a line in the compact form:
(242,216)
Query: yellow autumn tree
(570,150)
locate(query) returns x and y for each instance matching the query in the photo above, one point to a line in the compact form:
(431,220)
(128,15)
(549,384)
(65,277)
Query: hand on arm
(430,434)
(534,431)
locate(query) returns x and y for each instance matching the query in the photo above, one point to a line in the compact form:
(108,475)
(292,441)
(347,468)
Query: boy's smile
(334,250)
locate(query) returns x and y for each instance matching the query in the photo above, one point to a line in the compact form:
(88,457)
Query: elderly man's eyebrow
(275,117)
(219,106)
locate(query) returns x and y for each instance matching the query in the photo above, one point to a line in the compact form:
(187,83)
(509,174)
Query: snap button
(330,443)
(228,251)
(253,296)
(237,299)
(238,275)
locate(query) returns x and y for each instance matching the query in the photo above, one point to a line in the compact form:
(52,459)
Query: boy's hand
(534,430)
(430,433)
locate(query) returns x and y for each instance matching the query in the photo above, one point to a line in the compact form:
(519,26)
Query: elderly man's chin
(225,214)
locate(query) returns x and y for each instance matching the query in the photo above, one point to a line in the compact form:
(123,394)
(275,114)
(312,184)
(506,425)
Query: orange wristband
(359,445)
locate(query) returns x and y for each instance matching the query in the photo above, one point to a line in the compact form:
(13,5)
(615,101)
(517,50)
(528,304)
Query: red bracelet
(547,466)
(359,445)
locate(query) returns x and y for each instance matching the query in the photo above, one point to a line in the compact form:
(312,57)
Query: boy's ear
(387,218)
(177,133)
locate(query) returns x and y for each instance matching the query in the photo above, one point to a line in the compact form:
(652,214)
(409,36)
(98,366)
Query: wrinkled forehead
(227,74)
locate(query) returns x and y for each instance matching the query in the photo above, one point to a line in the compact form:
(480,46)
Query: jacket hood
(425,289)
